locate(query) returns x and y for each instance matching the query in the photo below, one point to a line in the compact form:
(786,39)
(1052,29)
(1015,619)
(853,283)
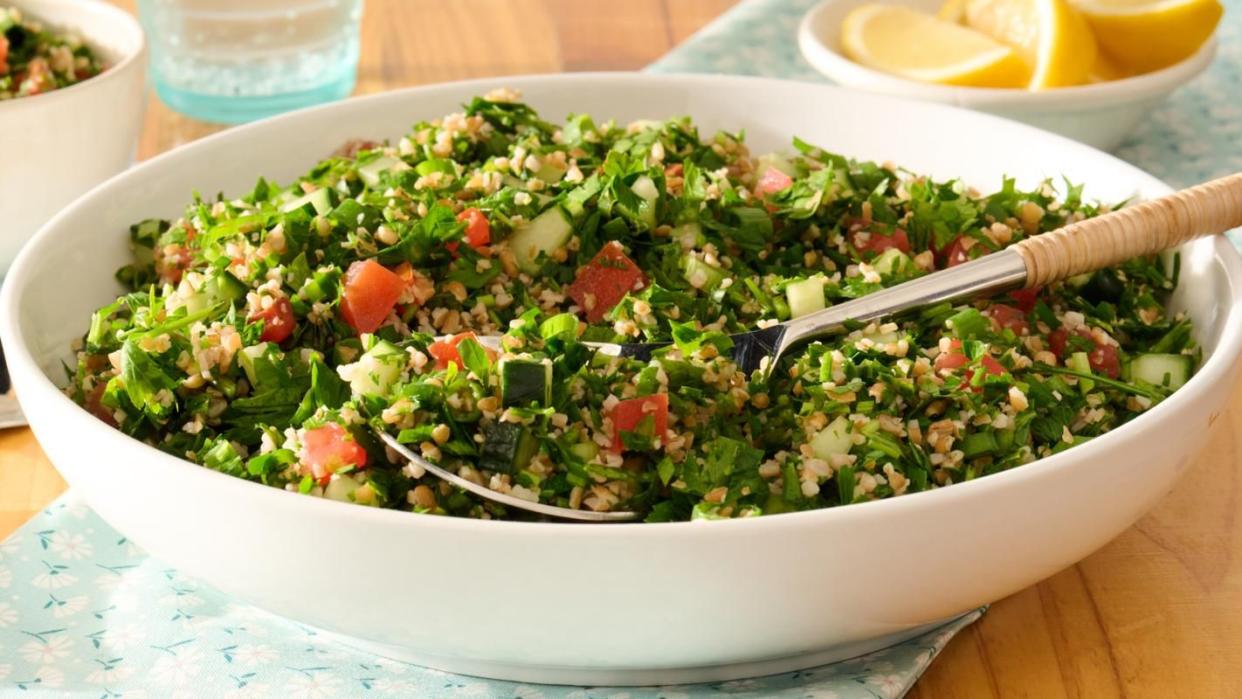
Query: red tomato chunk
(955,359)
(478,230)
(875,242)
(278,321)
(368,295)
(772,181)
(1103,358)
(445,351)
(1026,298)
(1008,318)
(604,281)
(628,415)
(330,448)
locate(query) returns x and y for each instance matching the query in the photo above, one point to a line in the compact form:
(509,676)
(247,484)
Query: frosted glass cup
(234,61)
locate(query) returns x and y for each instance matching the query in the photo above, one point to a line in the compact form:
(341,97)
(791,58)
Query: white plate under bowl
(614,604)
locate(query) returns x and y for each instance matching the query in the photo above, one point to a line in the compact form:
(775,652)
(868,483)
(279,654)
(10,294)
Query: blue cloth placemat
(85,611)
(1195,136)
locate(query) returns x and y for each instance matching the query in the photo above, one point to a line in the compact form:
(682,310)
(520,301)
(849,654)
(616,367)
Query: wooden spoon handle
(1144,228)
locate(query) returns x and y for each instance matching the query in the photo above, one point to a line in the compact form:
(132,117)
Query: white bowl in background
(626,603)
(1099,114)
(61,143)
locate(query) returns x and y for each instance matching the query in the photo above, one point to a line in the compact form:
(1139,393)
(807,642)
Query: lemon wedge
(1106,69)
(1050,35)
(1145,35)
(921,47)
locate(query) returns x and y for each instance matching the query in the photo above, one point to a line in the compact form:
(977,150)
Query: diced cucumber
(690,235)
(371,172)
(376,370)
(806,296)
(1079,361)
(551,171)
(542,235)
(892,261)
(507,447)
(431,165)
(1078,281)
(341,488)
(585,450)
(701,275)
(967,324)
(320,200)
(253,357)
(226,287)
(777,161)
(646,190)
(523,381)
(835,439)
(1171,370)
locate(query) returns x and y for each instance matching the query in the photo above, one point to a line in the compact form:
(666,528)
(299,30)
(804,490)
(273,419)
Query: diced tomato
(278,321)
(478,230)
(330,448)
(1103,358)
(38,78)
(1007,317)
(1026,298)
(674,170)
(955,359)
(772,181)
(956,253)
(604,281)
(369,294)
(171,261)
(445,351)
(4,55)
(353,146)
(877,243)
(951,360)
(990,365)
(94,404)
(628,415)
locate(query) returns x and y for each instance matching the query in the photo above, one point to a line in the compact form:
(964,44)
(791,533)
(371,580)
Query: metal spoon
(1142,229)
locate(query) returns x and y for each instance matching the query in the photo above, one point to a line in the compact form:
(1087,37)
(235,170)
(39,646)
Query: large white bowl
(634,603)
(1100,114)
(60,144)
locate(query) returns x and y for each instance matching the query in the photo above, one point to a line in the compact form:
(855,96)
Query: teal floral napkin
(84,611)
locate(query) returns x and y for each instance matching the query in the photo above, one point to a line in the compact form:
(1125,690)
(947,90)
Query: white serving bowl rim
(1214,369)
(136,47)
(832,64)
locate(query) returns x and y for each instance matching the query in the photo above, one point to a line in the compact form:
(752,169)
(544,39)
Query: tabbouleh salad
(34,60)
(266,336)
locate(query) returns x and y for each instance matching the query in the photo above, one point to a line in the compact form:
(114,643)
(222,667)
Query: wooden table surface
(1156,613)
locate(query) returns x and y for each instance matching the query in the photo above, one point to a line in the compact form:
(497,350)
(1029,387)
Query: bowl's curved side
(626,596)
(69,140)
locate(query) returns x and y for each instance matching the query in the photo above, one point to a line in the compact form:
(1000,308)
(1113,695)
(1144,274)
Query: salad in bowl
(445,287)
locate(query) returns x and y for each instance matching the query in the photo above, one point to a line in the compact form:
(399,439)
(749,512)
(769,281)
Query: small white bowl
(1099,114)
(59,144)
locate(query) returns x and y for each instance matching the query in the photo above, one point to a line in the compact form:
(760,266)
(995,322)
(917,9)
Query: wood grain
(1156,613)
